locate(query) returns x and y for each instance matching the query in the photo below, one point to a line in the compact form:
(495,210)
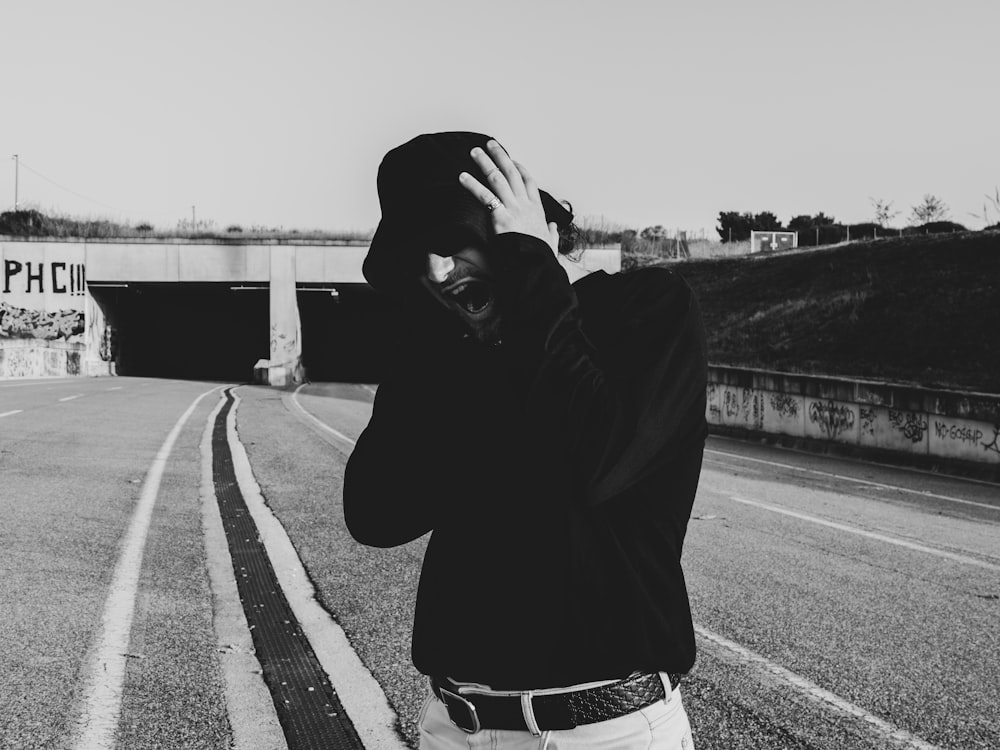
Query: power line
(68,190)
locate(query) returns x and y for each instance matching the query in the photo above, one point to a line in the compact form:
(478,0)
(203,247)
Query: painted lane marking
(811,690)
(358,690)
(880,485)
(11,413)
(42,382)
(115,388)
(814,693)
(252,716)
(871,534)
(104,671)
(318,423)
(70,398)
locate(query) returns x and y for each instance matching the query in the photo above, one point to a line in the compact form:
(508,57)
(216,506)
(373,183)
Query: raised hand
(510,194)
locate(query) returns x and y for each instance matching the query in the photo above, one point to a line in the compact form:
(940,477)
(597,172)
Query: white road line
(70,398)
(104,670)
(880,485)
(814,693)
(115,388)
(359,692)
(11,413)
(871,534)
(313,420)
(40,382)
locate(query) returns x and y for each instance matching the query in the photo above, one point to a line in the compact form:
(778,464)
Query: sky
(639,113)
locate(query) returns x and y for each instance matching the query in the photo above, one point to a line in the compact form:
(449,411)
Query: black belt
(472,711)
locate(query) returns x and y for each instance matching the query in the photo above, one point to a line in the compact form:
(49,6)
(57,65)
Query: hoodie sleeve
(391,458)
(619,412)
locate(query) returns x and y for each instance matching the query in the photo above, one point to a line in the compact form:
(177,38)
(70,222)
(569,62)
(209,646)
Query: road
(838,604)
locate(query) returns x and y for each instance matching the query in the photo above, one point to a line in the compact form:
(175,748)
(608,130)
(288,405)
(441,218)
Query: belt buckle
(452,701)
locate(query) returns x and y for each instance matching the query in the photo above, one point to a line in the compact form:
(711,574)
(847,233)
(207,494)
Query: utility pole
(16,167)
(194,223)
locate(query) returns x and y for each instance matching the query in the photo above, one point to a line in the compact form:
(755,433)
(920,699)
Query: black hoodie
(556,473)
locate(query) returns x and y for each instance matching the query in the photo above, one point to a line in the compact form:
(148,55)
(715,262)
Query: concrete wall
(50,323)
(43,311)
(879,417)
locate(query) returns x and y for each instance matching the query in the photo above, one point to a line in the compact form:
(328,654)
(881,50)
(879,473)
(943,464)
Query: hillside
(922,310)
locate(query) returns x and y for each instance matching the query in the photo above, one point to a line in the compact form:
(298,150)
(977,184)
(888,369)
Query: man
(550,437)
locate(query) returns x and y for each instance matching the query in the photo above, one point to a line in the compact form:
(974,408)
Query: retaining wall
(928,426)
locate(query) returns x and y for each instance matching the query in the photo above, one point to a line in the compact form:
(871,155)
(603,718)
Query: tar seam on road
(309,710)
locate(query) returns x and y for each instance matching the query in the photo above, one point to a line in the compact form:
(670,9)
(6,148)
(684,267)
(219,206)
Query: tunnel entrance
(195,331)
(218,331)
(349,333)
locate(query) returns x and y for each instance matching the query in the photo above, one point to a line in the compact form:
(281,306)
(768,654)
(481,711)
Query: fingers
(501,174)
(482,193)
(530,186)
(506,165)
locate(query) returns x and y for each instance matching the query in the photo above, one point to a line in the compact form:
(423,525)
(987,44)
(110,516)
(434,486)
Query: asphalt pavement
(838,604)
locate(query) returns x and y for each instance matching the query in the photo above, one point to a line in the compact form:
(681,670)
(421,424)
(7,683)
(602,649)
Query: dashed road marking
(965,559)
(815,694)
(104,670)
(114,388)
(70,398)
(11,413)
(47,383)
(867,482)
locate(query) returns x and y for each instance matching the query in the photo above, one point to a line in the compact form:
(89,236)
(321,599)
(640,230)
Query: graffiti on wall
(867,421)
(57,277)
(958,433)
(911,425)
(16,363)
(785,406)
(832,419)
(992,445)
(744,405)
(18,323)
(714,410)
(42,291)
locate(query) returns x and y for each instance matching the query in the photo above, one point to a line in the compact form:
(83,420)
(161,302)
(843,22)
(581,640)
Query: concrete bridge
(212,309)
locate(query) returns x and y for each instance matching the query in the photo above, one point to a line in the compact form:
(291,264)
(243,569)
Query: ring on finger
(494,204)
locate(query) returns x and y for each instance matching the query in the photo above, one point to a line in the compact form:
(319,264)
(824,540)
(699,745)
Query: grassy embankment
(920,310)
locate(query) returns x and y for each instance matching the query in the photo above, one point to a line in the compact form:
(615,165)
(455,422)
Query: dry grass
(916,309)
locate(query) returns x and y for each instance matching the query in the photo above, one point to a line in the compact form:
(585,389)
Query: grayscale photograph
(533,375)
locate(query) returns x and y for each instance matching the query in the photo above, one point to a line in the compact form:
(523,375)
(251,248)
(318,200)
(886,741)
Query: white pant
(661,726)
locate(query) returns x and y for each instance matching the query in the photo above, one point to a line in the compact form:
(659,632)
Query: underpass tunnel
(349,332)
(203,331)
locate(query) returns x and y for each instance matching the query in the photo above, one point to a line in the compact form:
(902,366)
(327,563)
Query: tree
(800,223)
(931,209)
(734,226)
(883,211)
(765,221)
(654,234)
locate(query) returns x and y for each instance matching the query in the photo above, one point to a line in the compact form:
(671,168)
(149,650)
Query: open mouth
(471,295)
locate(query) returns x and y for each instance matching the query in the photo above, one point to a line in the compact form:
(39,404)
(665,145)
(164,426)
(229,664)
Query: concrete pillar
(97,357)
(285,365)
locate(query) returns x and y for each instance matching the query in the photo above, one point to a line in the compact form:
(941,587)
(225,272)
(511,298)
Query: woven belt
(474,711)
